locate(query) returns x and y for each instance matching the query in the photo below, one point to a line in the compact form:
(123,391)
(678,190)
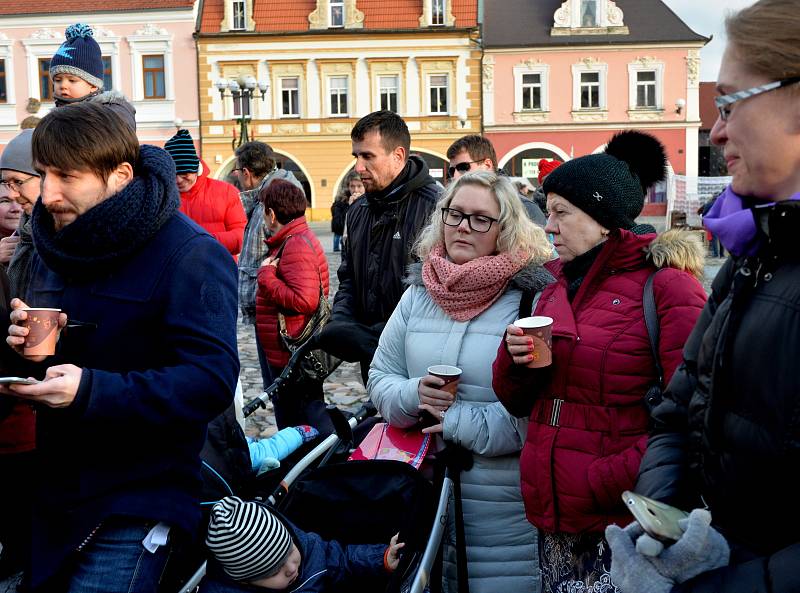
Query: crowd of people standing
(149,262)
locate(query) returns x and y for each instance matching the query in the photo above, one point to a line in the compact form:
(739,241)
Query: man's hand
(58,390)
(520,346)
(17,332)
(7,247)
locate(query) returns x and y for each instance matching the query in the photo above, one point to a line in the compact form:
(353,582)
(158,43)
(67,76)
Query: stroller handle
(280,380)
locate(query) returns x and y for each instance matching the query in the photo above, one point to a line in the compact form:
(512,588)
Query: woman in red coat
(289,282)
(588,416)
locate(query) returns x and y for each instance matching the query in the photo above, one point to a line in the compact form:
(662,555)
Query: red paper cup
(43,331)
(449,373)
(540,328)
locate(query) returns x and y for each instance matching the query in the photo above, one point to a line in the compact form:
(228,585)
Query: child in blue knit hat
(76,70)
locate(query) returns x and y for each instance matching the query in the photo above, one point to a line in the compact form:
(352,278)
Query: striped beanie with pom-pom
(247,540)
(181,148)
(79,55)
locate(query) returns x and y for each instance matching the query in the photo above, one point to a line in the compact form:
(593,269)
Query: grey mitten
(630,571)
(701,548)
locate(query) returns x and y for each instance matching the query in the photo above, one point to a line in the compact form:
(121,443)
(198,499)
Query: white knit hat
(247,540)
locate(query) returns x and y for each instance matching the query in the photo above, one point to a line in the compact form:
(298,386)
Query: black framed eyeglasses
(480,223)
(15,184)
(460,167)
(724,102)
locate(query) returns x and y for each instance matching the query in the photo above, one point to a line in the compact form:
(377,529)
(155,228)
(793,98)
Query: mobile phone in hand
(17,381)
(659,520)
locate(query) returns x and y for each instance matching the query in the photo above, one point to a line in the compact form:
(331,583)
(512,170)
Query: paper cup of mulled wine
(42,327)
(449,373)
(540,328)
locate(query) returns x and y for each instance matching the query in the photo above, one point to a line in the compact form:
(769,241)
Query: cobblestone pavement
(343,388)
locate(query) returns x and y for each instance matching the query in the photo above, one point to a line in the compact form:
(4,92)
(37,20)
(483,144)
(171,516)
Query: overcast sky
(707,17)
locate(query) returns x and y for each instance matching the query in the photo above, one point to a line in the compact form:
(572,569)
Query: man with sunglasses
(382,226)
(476,153)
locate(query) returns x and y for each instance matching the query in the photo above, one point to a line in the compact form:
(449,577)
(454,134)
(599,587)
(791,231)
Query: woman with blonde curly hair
(478,253)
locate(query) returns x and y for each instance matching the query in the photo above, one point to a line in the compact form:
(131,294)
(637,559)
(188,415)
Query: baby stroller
(366,501)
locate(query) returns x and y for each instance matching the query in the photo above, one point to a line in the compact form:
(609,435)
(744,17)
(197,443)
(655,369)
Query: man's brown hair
(84,137)
(477,147)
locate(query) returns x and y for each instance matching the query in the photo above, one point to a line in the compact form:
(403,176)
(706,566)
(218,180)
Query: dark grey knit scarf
(110,232)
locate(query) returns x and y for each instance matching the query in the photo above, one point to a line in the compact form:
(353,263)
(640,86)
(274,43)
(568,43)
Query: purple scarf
(735,224)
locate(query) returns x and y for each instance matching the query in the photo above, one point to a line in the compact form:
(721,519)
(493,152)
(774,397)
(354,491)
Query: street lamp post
(242,91)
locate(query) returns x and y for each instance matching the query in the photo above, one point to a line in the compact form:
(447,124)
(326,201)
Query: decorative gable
(588,17)
(336,14)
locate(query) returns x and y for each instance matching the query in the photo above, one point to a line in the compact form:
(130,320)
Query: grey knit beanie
(610,187)
(248,541)
(18,156)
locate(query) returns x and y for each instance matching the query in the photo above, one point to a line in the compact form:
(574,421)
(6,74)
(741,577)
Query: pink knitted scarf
(467,290)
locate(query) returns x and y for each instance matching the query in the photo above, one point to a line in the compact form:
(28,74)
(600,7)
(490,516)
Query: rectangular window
(531,91)
(290,97)
(107,79)
(646,89)
(588,13)
(240,104)
(239,21)
(438,93)
(337,13)
(437,12)
(153,75)
(590,90)
(45,86)
(337,89)
(3,93)
(388,87)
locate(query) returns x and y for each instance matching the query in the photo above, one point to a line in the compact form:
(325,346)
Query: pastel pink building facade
(583,81)
(149,55)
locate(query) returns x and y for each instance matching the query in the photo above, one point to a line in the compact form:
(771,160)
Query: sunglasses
(724,102)
(460,167)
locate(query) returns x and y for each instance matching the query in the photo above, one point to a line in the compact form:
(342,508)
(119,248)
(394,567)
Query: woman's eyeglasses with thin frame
(724,102)
(480,223)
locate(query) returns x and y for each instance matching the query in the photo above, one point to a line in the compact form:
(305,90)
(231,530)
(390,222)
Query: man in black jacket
(382,226)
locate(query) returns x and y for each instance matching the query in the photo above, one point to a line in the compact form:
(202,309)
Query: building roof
(527,23)
(272,16)
(22,7)
(708,110)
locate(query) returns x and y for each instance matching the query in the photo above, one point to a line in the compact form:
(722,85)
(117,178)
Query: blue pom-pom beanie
(79,55)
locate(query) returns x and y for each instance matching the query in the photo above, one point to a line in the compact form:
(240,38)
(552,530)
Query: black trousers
(301,402)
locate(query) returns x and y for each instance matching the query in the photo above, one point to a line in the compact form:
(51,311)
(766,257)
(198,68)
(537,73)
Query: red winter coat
(292,287)
(579,458)
(215,206)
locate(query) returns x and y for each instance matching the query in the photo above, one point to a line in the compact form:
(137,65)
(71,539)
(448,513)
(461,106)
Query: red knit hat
(546,167)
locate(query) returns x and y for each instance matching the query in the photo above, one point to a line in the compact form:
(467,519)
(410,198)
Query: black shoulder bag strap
(653,397)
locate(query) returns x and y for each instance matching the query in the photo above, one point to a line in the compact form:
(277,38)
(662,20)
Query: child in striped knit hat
(257,550)
(76,70)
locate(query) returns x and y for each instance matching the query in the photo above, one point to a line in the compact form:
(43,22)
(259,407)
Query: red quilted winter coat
(588,422)
(292,287)
(215,206)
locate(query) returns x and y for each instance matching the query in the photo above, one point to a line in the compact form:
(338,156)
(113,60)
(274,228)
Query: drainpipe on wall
(196,37)
(480,44)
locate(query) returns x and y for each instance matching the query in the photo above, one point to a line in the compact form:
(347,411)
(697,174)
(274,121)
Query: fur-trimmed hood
(682,250)
(530,278)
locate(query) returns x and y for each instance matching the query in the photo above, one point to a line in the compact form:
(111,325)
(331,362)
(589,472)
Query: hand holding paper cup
(42,324)
(449,374)
(540,329)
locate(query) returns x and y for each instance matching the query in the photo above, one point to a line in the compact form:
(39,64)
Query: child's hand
(391,560)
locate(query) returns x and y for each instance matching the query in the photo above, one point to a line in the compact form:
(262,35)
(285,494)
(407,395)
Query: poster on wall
(530,168)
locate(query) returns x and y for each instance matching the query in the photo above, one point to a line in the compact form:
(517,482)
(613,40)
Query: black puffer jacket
(381,228)
(728,429)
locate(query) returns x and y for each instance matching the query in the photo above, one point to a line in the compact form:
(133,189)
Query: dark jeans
(266,371)
(301,402)
(115,561)
(337,240)
(16,470)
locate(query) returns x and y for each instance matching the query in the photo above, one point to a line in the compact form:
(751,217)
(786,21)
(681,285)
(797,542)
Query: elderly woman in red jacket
(289,282)
(588,415)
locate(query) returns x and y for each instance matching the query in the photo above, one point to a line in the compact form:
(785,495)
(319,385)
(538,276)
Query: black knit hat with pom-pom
(610,187)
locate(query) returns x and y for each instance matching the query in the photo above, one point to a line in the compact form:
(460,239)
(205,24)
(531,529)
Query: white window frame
(152,40)
(8,110)
(331,5)
(447,89)
(297,90)
(381,88)
(602,70)
(543,71)
(238,26)
(645,66)
(598,20)
(441,5)
(331,90)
